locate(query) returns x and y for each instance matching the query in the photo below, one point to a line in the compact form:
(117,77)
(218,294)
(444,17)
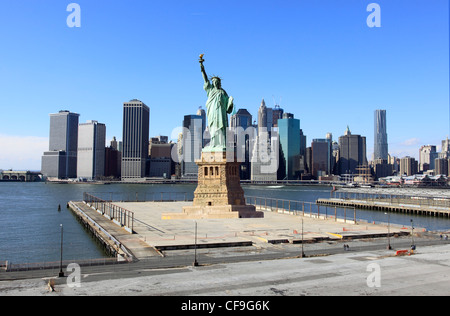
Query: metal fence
(56,265)
(114,212)
(118,244)
(145,196)
(303,208)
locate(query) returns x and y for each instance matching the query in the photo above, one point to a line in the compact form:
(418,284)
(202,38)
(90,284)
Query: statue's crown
(216,77)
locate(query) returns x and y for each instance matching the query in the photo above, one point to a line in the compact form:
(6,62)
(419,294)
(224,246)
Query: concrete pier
(153,235)
(116,239)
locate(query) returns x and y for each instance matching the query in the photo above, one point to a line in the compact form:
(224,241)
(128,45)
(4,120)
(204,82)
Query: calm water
(30,222)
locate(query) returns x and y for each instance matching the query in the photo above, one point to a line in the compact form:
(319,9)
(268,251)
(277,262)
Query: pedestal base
(219,193)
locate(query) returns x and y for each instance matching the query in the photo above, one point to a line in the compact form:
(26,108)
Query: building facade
(408,166)
(321,157)
(161,163)
(91,150)
(136,125)
(192,141)
(427,155)
(244,137)
(380,136)
(60,161)
(441,166)
(289,133)
(268,117)
(352,153)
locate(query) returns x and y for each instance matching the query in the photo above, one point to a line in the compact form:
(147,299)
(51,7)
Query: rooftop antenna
(275,104)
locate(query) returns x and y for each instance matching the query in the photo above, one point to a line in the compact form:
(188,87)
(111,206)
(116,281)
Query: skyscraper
(408,166)
(427,155)
(445,149)
(380,136)
(136,125)
(268,117)
(441,166)
(289,131)
(192,141)
(321,157)
(244,135)
(352,152)
(113,159)
(277,114)
(242,118)
(201,112)
(61,159)
(91,150)
(265,148)
(262,117)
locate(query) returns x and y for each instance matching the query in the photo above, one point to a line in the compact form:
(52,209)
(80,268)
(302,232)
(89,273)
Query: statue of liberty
(218,105)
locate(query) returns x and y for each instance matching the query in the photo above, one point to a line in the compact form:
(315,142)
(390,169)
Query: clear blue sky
(318,57)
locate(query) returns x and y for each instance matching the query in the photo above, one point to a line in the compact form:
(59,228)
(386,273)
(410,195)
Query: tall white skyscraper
(192,145)
(91,150)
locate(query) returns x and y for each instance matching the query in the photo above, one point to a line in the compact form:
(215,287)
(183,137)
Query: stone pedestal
(219,193)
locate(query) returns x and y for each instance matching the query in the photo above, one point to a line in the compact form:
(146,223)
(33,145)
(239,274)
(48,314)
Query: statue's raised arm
(202,68)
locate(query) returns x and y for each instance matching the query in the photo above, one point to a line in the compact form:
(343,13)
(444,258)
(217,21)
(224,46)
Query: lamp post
(303,253)
(61,273)
(413,247)
(389,231)
(195,264)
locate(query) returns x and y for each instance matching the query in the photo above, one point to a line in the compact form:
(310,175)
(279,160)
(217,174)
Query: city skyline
(318,60)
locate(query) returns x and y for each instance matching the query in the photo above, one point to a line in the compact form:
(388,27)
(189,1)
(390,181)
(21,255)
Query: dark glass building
(136,125)
(289,132)
(352,153)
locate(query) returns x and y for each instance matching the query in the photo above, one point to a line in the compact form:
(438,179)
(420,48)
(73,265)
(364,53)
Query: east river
(30,222)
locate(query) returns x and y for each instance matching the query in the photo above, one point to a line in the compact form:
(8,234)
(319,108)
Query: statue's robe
(218,106)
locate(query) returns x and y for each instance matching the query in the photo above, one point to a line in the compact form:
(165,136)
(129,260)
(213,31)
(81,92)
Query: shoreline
(334,184)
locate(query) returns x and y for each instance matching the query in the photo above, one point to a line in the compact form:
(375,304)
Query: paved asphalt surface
(185,258)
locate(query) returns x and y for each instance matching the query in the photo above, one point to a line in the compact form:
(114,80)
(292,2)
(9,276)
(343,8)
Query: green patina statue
(219,104)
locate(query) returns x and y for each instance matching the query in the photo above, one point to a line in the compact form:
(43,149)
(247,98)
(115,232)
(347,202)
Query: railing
(393,199)
(144,196)
(121,216)
(112,238)
(11,267)
(311,209)
(4,265)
